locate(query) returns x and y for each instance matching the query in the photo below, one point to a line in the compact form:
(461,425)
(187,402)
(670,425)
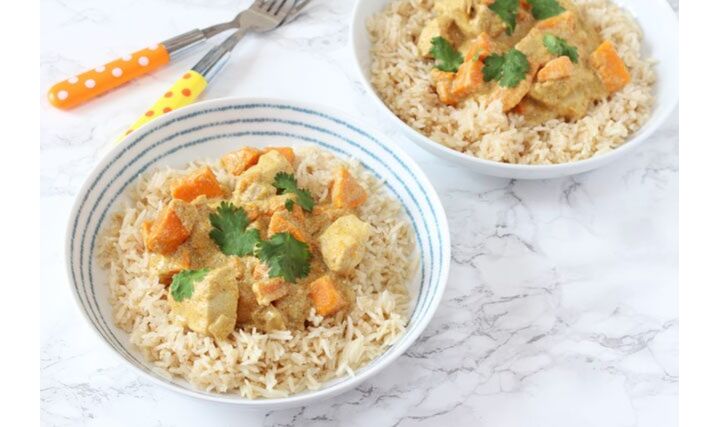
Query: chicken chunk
(286,152)
(170,229)
(437,27)
(239,161)
(269,319)
(268,165)
(268,290)
(212,308)
(343,243)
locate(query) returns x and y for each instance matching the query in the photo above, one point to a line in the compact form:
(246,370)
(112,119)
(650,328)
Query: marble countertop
(561,308)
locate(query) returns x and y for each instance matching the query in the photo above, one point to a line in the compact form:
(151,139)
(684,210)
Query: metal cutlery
(262,16)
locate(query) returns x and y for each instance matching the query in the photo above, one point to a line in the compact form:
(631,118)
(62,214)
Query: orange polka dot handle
(185,91)
(83,87)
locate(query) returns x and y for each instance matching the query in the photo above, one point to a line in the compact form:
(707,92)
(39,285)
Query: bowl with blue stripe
(211,129)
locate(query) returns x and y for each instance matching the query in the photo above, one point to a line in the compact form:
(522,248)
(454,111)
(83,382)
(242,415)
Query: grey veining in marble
(561,307)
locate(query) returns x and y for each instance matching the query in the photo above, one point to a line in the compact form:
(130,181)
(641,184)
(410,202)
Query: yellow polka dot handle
(83,87)
(185,90)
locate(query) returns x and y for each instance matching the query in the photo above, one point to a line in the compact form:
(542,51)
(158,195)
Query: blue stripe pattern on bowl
(134,158)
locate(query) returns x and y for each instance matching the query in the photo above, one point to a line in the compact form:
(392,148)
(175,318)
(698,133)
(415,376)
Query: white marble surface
(562,304)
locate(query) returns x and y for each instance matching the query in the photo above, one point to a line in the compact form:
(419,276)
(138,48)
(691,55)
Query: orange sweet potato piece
(166,233)
(287,152)
(326,297)
(443,85)
(609,67)
(202,182)
(345,191)
(564,21)
(468,78)
(479,48)
(238,161)
(556,69)
(284,221)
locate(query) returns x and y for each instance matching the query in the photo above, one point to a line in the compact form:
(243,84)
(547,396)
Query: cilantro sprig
(509,69)
(560,47)
(507,11)
(447,58)
(544,9)
(230,230)
(286,183)
(286,256)
(183,283)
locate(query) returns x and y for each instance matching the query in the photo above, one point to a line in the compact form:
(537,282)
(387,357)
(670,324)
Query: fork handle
(183,92)
(85,86)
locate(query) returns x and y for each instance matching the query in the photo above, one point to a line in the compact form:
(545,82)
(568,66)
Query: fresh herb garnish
(544,9)
(446,57)
(286,183)
(507,11)
(509,69)
(289,204)
(286,256)
(183,283)
(560,47)
(230,230)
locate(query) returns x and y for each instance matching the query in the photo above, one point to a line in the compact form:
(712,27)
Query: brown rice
(251,363)
(402,79)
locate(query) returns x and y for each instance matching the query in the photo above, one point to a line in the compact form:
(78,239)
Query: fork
(85,86)
(262,16)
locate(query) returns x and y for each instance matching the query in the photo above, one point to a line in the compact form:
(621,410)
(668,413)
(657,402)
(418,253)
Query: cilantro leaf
(509,69)
(507,11)
(286,183)
(289,204)
(230,230)
(183,283)
(560,47)
(446,57)
(286,256)
(544,9)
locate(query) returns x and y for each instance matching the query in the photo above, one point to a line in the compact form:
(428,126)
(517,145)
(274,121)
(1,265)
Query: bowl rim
(341,384)
(657,117)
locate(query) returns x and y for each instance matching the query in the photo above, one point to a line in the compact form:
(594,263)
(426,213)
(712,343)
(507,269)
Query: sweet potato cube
(558,68)
(346,192)
(283,221)
(267,291)
(443,85)
(565,21)
(238,161)
(609,67)
(287,152)
(479,48)
(200,183)
(468,78)
(326,296)
(167,232)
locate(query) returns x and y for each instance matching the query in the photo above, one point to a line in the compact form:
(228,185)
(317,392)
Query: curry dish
(262,254)
(540,59)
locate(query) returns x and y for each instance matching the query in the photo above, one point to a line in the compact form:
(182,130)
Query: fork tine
(296,10)
(282,5)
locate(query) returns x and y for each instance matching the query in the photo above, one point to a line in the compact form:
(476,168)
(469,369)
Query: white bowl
(210,129)
(660,27)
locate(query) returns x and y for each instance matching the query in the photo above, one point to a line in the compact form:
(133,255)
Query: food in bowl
(514,81)
(265,273)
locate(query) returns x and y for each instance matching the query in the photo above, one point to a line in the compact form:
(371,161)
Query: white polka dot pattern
(81,87)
